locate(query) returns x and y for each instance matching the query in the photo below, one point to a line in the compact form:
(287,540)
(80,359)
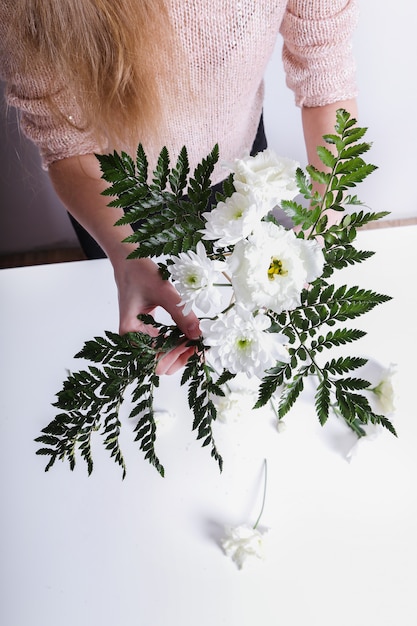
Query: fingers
(136,326)
(189,324)
(174,360)
(141,290)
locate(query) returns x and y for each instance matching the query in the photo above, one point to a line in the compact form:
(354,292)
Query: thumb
(189,324)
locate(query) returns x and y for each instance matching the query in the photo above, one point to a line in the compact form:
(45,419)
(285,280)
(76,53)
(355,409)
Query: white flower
(233,220)
(239,342)
(271,267)
(242,542)
(269,177)
(234,404)
(163,419)
(195,276)
(372,432)
(385,391)
(281,426)
(382,398)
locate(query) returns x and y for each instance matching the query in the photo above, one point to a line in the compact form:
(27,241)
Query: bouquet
(267,306)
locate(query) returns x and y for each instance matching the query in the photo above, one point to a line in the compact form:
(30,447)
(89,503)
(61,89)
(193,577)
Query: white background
(98,551)
(32,218)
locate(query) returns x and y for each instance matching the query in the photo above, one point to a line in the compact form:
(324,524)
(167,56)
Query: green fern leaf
(322,400)
(342,365)
(179,174)
(290,395)
(161,172)
(326,156)
(141,165)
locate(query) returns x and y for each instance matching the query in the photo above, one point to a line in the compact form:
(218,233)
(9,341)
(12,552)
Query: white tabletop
(99,551)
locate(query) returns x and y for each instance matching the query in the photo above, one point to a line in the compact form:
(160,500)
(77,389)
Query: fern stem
(309,352)
(274,409)
(323,199)
(353,424)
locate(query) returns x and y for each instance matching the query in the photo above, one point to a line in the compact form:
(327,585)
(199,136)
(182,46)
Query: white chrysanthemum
(163,419)
(281,426)
(269,177)
(234,404)
(385,391)
(195,275)
(272,266)
(238,341)
(372,432)
(233,220)
(242,542)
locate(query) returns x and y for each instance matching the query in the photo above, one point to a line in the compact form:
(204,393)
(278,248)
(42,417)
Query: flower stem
(274,409)
(264,495)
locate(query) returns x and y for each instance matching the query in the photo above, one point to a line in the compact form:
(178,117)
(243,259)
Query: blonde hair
(112,53)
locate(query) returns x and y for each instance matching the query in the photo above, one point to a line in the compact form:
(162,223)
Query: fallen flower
(372,432)
(242,542)
(246,541)
(281,426)
(163,419)
(234,404)
(385,390)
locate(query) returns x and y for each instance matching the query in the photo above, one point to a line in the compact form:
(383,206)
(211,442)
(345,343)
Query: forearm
(319,121)
(141,288)
(78,183)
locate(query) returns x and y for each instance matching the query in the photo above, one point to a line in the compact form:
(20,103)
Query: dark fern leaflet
(167,212)
(90,400)
(201,390)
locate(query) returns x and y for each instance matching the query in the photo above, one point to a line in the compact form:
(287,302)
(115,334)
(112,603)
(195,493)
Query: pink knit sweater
(229,43)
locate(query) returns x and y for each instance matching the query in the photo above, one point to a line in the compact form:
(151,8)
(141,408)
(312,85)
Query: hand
(141,290)
(78,182)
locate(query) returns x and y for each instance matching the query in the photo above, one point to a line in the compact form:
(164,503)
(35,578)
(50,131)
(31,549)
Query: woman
(91,76)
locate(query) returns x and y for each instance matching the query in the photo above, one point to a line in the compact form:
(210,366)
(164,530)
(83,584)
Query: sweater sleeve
(317,51)
(49,116)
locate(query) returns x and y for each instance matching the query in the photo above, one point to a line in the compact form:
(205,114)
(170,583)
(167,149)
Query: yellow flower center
(237,214)
(243,343)
(276,269)
(191,280)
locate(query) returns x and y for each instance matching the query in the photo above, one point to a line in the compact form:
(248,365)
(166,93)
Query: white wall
(386,50)
(386,54)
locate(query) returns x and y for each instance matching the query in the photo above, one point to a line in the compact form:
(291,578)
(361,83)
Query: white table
(97,551)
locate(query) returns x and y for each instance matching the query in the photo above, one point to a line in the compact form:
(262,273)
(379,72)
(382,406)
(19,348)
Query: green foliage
(166,212)
(91,399)
(322,303)
(200,392)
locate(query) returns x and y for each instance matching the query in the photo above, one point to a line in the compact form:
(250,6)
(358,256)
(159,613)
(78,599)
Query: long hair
(112,53)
